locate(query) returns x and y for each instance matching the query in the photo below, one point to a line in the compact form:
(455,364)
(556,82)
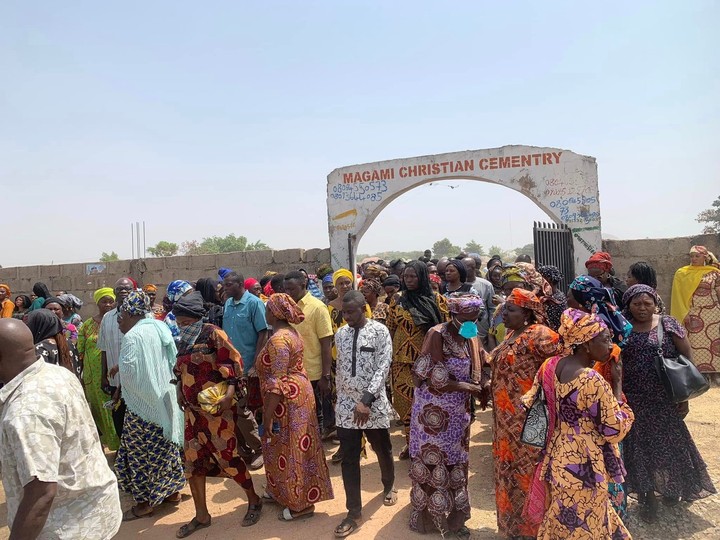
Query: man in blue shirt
(244,323)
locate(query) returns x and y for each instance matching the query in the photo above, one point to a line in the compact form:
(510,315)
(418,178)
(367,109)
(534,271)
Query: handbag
(679,376)
(209,399)
(535,428)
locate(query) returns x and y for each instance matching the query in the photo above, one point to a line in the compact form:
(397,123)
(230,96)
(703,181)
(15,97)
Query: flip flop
(287,514)
(346,528)
(189,528)
(267,498)
(463,533)
(390,498)
(253,514)
(130,515)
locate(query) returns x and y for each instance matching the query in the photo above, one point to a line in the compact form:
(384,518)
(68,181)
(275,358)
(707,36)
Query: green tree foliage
(528,249)
(108,257)
(710,218)
(445,248)
(164,249)
(473,247)
(496,250)
(222,244)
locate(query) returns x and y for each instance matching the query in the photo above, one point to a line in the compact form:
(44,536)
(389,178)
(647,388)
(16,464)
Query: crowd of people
(227,375)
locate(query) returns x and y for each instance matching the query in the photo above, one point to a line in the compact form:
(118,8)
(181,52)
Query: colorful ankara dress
(211,446)
(407,343)
(149,463)
(91,358)
(297,475)
(581,455)
(659,451)
(440,436)
(514,365)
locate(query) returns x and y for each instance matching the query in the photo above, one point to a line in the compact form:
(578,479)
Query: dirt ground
(698,520)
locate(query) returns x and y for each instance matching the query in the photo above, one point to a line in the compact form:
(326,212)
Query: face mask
(468,330)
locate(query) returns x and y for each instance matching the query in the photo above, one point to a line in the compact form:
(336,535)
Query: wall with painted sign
(562,183)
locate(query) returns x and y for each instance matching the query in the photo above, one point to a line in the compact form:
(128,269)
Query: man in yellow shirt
(6,305)
(316,331)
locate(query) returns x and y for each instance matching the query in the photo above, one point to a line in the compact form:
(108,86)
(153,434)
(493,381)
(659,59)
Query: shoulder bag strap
(660,336)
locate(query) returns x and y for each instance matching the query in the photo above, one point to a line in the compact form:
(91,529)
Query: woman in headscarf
(149,463)
(514,363)
(157,309)
(207,288)
(513,277)
(22,305)
(410,317)
(445,375)
(295,467)
(659,452)
(207,360)
(600,267)
(372,291)
(253,286)
(696,305)
(91,358)
(455,278)
(587,418)
(641,273)
(51,344)
(41,292)
(391,286)
(175,291)
(556,302)
(71,304)
(57,306)
(7,306)
(329,291)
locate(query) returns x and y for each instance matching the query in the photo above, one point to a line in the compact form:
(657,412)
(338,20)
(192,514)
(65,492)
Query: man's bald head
(123,287)
(17,350)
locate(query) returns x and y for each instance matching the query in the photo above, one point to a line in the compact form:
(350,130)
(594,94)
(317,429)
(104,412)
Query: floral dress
(295,467)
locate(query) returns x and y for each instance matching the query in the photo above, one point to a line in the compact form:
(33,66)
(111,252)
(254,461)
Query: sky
(205,119)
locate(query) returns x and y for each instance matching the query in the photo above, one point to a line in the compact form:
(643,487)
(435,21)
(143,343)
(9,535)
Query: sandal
(267,498)
(463,533)
(131,515)
(346,528)
(404,453)
(253,514)
(390,498)
(289,515)
(189,528)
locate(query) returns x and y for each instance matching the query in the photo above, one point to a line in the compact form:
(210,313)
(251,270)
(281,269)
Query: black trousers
(118,416)
(318,404)
(350,444)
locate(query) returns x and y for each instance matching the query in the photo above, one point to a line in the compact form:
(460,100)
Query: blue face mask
(468,330)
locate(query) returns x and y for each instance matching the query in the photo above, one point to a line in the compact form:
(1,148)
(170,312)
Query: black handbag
(679,376)
(535,428)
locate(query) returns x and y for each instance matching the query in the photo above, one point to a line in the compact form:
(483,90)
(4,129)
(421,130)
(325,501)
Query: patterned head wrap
(465,303)
(224,272)
(595,298)
(551,273)
(600,259)
(176,289)
(250,283)
(435,278)
(149,288)
(327,279)
(375,271)
(527,300)
(71,301)
(373,285)
(268,290)
(637,289)
(512,274)
(136,304)
(284,308)
(578,327)
(343,272)
(102,293)
(710,259)
(5,288)
(533,277)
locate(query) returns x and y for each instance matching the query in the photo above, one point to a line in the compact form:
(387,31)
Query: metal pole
(137,231)
(132,241)
(144,245)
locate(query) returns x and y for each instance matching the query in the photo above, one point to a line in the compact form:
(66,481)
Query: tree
(445,248)
(108,257)
(221,244)
(496,250)
(164,249)
(711,218)
(473,247)
(190,247)
(527,249)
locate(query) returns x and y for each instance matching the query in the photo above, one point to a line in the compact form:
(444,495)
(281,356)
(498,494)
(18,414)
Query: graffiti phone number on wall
(366,191)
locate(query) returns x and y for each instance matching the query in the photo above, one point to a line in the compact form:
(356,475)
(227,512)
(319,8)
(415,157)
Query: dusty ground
(699,520)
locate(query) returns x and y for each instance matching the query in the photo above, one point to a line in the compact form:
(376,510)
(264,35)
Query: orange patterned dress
(514,365)
(211,447)
(703,323)
(295,467)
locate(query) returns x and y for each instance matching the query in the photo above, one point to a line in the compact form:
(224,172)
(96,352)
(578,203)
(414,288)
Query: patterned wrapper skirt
(148,466)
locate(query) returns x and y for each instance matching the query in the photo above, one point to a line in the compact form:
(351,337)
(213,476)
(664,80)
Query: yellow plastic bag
(209,399)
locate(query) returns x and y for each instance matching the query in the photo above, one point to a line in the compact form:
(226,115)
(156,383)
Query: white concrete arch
(560,182)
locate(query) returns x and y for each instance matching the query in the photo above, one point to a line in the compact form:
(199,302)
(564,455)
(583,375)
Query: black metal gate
(554,245)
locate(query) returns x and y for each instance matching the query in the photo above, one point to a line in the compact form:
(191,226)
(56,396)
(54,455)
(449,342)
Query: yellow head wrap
(102,293)
(7,289)
(343,272)
(149,288)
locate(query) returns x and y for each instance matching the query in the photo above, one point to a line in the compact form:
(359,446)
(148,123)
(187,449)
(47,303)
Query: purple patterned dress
(439,436)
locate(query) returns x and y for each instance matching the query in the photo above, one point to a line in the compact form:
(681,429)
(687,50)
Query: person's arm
(34,509)
(324,331)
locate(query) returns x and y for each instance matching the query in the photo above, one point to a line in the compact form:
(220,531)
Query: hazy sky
(226,117)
